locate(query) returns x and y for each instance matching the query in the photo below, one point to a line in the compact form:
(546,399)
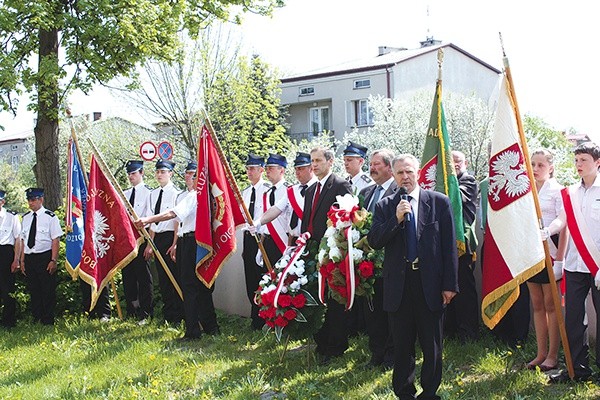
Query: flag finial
(440,57)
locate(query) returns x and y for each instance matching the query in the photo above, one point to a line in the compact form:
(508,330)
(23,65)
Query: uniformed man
(292,205)
(253,199)
(10,251)
(41,237)
(163,233)
(137,279)
(198,303)
(354,159)
(275,233)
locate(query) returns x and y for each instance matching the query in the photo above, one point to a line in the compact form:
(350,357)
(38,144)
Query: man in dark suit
(332,338)
(376,319)
(419,276)
(462,316)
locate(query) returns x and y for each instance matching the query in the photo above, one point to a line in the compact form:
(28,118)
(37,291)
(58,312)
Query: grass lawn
(81,359)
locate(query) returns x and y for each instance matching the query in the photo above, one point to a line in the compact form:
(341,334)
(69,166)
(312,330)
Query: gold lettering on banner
(432,132)
(87,260)
(95,192)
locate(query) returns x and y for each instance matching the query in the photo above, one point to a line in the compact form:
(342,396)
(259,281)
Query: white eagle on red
(509,175)
(99,238)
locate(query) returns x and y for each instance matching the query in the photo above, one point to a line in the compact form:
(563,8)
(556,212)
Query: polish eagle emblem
(508,177)
(428,175)
(99,238)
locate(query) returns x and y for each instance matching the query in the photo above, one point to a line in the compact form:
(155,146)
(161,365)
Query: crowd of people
(427,291)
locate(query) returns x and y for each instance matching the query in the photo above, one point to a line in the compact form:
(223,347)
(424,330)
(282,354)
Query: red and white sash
(294,202)
(276,229)
(579,231)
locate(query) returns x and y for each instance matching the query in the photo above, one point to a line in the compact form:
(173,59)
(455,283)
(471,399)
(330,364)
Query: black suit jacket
(367,192)
(334,186)
(438,259)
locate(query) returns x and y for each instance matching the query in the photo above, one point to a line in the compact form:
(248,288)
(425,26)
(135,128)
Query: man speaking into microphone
(420,274)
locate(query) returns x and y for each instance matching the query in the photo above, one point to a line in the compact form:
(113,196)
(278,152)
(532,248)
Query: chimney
(97,115)
(387,49)
(430,41)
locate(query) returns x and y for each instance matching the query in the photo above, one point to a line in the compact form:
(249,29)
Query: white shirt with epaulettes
(260,187)
(47,229)
(10,227)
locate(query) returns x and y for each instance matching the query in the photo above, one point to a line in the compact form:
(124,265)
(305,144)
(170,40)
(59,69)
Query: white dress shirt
(10,227)
(169,198)
(47,229)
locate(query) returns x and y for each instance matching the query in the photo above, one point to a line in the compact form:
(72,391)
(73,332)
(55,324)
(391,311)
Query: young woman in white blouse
(544,313)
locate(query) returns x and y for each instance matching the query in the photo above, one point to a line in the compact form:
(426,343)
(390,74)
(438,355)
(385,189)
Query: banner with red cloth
(111,241)
(218,213)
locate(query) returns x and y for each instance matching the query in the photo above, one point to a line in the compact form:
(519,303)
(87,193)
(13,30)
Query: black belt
(188,234)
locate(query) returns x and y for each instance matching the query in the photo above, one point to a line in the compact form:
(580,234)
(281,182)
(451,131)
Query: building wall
(460,74)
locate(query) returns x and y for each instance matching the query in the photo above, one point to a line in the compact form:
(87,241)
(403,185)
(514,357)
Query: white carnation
(303,280)
(295,285)
(330,231)
(335,254)
(357,255)
(355,236)
(322,255)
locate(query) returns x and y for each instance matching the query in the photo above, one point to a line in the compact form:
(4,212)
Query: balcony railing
(308,136)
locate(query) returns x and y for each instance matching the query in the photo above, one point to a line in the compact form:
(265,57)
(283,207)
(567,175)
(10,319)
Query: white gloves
(254,228)
(545,233)
(597,280)
(558,269)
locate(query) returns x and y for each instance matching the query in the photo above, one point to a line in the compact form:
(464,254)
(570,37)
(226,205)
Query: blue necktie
(411,236)
(375,198)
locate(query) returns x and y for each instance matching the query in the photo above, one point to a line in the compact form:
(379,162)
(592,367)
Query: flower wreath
(286,295)
(348,227)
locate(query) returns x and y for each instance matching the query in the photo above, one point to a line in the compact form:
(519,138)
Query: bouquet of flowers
(284,294)
(347,264)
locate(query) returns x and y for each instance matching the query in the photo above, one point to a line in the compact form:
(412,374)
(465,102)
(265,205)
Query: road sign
(165,150)
(148,151)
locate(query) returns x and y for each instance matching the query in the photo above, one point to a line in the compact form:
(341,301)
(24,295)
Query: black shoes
(563,377)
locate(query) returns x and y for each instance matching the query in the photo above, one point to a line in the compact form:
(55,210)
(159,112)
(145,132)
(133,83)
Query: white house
(14,145)
(337,98)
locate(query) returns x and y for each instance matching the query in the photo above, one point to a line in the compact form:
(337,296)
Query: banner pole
(87,184)
(549,269)
(133,214)
(236,189)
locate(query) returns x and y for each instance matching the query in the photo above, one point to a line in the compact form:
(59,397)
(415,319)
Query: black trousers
(137,285)
(102,307)
(378,328)
(42,287)
(462,314)
(578,286)
(198,306)
(253,273)
(7,286)
(332,338)
(172,303)
(415,320)
(273,252)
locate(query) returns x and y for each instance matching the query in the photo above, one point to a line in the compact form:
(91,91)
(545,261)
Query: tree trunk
(47,171)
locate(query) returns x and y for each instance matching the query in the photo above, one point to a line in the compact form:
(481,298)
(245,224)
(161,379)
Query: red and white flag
(111,240)
(514,250)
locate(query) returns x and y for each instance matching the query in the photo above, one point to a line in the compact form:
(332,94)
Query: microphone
(404,196)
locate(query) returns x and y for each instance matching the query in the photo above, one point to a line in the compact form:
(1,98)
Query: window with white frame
(359,113)
(319,119)
(14,147)
(362,83)
(307,91)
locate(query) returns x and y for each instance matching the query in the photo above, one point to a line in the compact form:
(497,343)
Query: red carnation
(299,300)
(270,323)
(281,321)
(285,300)
(290,315)
(366,269)
(267,298)
(270,312)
